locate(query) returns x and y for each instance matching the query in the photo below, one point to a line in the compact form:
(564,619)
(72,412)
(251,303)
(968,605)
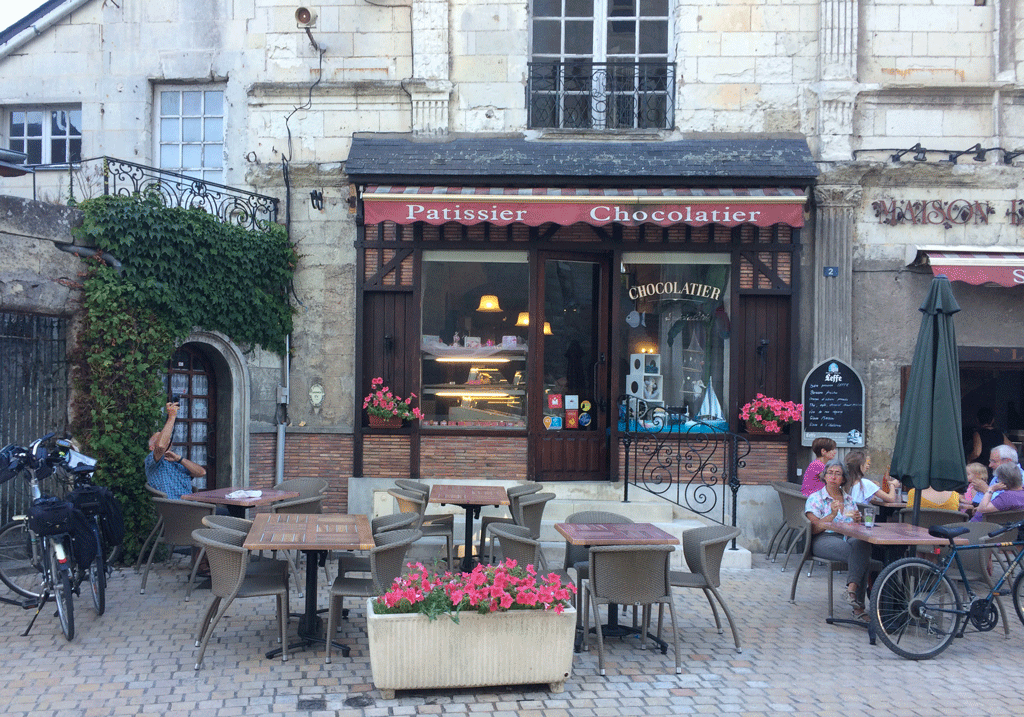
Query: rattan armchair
(515,493)
(410,501)
(348,563)
(230,579)
(387,561)
(628,575)
(177,520)
(789,534)
(703,549)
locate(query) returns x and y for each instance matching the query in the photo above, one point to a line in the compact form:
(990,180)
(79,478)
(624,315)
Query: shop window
(674,331)
(474,352)
(190,132)
(601,64)
(47,135)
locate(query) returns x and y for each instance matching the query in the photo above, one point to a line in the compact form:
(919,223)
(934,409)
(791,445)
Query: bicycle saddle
(947,532)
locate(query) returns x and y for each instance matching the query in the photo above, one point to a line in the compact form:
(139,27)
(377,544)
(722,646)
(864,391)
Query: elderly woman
(1005,494)
(830,505)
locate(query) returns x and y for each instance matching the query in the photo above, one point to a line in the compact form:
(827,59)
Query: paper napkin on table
(239,494)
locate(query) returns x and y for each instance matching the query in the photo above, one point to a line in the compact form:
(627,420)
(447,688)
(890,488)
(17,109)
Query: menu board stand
(833,398)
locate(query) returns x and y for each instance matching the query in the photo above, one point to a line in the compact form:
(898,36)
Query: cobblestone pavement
(138,659)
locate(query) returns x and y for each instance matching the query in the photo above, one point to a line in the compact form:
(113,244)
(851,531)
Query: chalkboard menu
(833,399)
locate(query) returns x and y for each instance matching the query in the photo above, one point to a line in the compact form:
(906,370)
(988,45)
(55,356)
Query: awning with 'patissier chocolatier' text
(533,206)
(1002,266)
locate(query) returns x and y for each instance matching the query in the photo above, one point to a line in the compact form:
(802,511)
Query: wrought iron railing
(601,95)
(689,463)
(230,205)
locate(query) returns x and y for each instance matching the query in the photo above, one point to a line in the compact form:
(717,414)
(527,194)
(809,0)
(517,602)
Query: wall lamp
(1009,156)
(977,150)
(919,156)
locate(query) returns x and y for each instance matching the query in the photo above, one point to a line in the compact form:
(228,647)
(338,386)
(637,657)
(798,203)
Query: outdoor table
(237,506)
(470,498)
(894,538)
(590,534)
(314,534)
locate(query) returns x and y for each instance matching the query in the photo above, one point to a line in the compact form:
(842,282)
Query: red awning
(973,265)
(597,207)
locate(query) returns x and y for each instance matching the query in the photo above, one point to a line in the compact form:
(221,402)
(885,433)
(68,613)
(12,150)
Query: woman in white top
(862,489)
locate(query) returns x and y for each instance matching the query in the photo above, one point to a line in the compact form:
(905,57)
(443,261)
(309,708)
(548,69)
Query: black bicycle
(917,611)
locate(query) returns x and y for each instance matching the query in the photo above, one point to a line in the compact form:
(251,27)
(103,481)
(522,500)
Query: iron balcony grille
(601,95)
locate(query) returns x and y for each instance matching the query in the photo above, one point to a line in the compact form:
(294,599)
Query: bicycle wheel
(98,577)
(61,580)
(915,609)
(16,569)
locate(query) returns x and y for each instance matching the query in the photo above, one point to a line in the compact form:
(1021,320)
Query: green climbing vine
(180,269)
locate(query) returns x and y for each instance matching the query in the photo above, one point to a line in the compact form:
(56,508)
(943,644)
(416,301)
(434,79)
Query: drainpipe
(282,410)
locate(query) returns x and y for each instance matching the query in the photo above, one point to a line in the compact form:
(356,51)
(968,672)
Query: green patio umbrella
(929,447)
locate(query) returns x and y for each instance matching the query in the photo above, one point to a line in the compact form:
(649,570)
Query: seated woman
(1011,497)
(864,490)
(832,504)
(940,499)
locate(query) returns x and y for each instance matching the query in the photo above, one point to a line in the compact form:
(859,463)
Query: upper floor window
(48,135)
(601,64)
(190,132)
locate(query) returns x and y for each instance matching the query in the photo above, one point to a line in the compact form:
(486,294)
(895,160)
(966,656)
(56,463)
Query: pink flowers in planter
(381,402)
(771,414)
(488,588)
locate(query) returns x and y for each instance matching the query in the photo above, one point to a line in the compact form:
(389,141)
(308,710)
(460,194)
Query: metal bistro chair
(624,575)
(387,561)
(514,494)
(178,518)
(410,501)
(230,579)
(703,549)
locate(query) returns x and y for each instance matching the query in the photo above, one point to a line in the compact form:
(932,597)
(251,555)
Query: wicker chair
(1006,517)
(228,522)
(577,556)
(703,549)
(629,575)
(791,530)
(305,487)
(387,561)
(514,494)
(933,516)
(429,519)
(516,542)
(177,520)
(158,525)
(241,526)
(310,502)
(230,579)
(348,563)
(833,566)
(415,502)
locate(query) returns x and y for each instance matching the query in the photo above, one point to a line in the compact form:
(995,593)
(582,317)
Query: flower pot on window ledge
(756,428)
(381,422)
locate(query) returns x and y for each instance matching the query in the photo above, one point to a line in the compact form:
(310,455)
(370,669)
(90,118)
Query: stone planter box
(410,652)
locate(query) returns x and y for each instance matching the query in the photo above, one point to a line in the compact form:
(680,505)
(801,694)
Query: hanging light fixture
(524,319)
(547,329)
(489,303)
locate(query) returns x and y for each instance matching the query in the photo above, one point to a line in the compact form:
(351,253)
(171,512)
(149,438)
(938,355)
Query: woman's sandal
(862,615)
(852,601)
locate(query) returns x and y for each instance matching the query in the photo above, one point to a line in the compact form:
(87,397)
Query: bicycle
(917,611)
(37,550)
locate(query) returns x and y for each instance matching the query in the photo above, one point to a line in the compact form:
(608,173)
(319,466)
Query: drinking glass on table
(869,516)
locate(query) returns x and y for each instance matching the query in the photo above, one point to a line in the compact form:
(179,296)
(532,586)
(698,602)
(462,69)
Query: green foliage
(182,268)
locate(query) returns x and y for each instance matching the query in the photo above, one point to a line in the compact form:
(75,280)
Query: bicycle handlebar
(1006,528)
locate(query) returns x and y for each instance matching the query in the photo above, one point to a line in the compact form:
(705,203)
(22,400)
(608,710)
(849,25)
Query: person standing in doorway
(986,436)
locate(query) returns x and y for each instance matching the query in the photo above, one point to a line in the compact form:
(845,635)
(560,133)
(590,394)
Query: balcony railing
(601,95)
(230,205)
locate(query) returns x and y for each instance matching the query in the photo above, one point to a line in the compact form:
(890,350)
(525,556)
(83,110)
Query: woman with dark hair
(830,505)
(824,450)
(986,436)
(864,490)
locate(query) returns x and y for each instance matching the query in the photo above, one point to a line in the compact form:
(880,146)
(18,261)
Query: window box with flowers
(386,410)
(497,625)
(770,415)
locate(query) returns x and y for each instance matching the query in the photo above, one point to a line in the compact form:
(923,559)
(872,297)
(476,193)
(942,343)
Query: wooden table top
(892,534)
(309,531)
(615,534)
(459,494)
(219,496)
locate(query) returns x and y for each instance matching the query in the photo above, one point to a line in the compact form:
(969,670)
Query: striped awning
(972,265)
(534,206)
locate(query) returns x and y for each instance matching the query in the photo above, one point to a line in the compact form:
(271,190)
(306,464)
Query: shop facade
(524,289)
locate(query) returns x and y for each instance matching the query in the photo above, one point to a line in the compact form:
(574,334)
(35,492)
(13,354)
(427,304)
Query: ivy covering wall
(180,269)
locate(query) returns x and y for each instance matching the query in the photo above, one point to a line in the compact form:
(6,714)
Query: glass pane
(35,124)
(57,147)
(571,294)
(213,155)
(621,8)
(200,385)
(214,103)
(179,383)
(579,8)
(180,434)
(191,155)
(17,124)
(170,130)
(547,37)
(654,8)
(621,38)
(213,129)
(192,129)
(75,150)
(169,103)
(474,359)
(547,8)
(75,117)
(34,150)
(674,317)
(214,176)
(191,104)
(169,157)
(58,123)
(199,432)
(200,408)
(654,38)
(579,38)
(199,454)
(180,449)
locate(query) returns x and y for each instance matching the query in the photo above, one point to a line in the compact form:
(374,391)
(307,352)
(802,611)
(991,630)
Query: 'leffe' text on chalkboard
(833,398)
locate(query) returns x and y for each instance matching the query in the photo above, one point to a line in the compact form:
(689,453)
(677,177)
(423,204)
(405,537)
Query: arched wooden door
(190,374)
